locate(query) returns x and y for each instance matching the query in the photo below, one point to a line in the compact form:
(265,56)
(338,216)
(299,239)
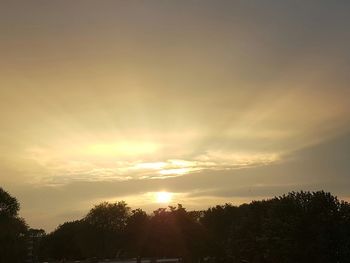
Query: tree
(109,216)
(174,232)
(9,206)
(105,224)
(297,227)
(136,233)
(63,242)
(13,230)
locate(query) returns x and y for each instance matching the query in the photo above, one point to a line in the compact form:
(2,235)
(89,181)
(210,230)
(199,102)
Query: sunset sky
(206,101)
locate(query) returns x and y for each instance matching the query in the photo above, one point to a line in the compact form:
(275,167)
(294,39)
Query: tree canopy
(9,206)
(297,227)
(13,230)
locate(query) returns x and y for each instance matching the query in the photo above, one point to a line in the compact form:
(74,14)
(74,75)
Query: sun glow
(163,197)
(128,148)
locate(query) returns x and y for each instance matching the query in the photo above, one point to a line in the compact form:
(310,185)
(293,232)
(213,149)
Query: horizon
(168,206)
(166,102)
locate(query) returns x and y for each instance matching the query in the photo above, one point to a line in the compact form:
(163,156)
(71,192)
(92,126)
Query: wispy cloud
(62,169)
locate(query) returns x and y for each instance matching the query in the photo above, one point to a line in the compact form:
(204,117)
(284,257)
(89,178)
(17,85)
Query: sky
(211,101)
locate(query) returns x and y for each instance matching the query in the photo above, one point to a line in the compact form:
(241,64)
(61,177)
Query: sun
(163,197)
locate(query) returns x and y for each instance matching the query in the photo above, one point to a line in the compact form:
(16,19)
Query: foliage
(13,230)
(297,227)
(9,205)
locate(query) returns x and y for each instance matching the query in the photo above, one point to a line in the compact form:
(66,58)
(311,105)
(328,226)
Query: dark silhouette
(13,230)
(297,227)
(34,237)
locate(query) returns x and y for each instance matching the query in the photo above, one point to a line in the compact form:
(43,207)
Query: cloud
(66,164)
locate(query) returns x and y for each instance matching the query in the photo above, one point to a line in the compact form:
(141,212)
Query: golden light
(128,148)
(163,197)
(152,166)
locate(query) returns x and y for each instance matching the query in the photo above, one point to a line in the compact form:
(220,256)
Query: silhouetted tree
(107,222)
(137,233)
(13,230)
(63,242)
(175,233)
(297,227)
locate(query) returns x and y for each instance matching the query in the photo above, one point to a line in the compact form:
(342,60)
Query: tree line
(296,227)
